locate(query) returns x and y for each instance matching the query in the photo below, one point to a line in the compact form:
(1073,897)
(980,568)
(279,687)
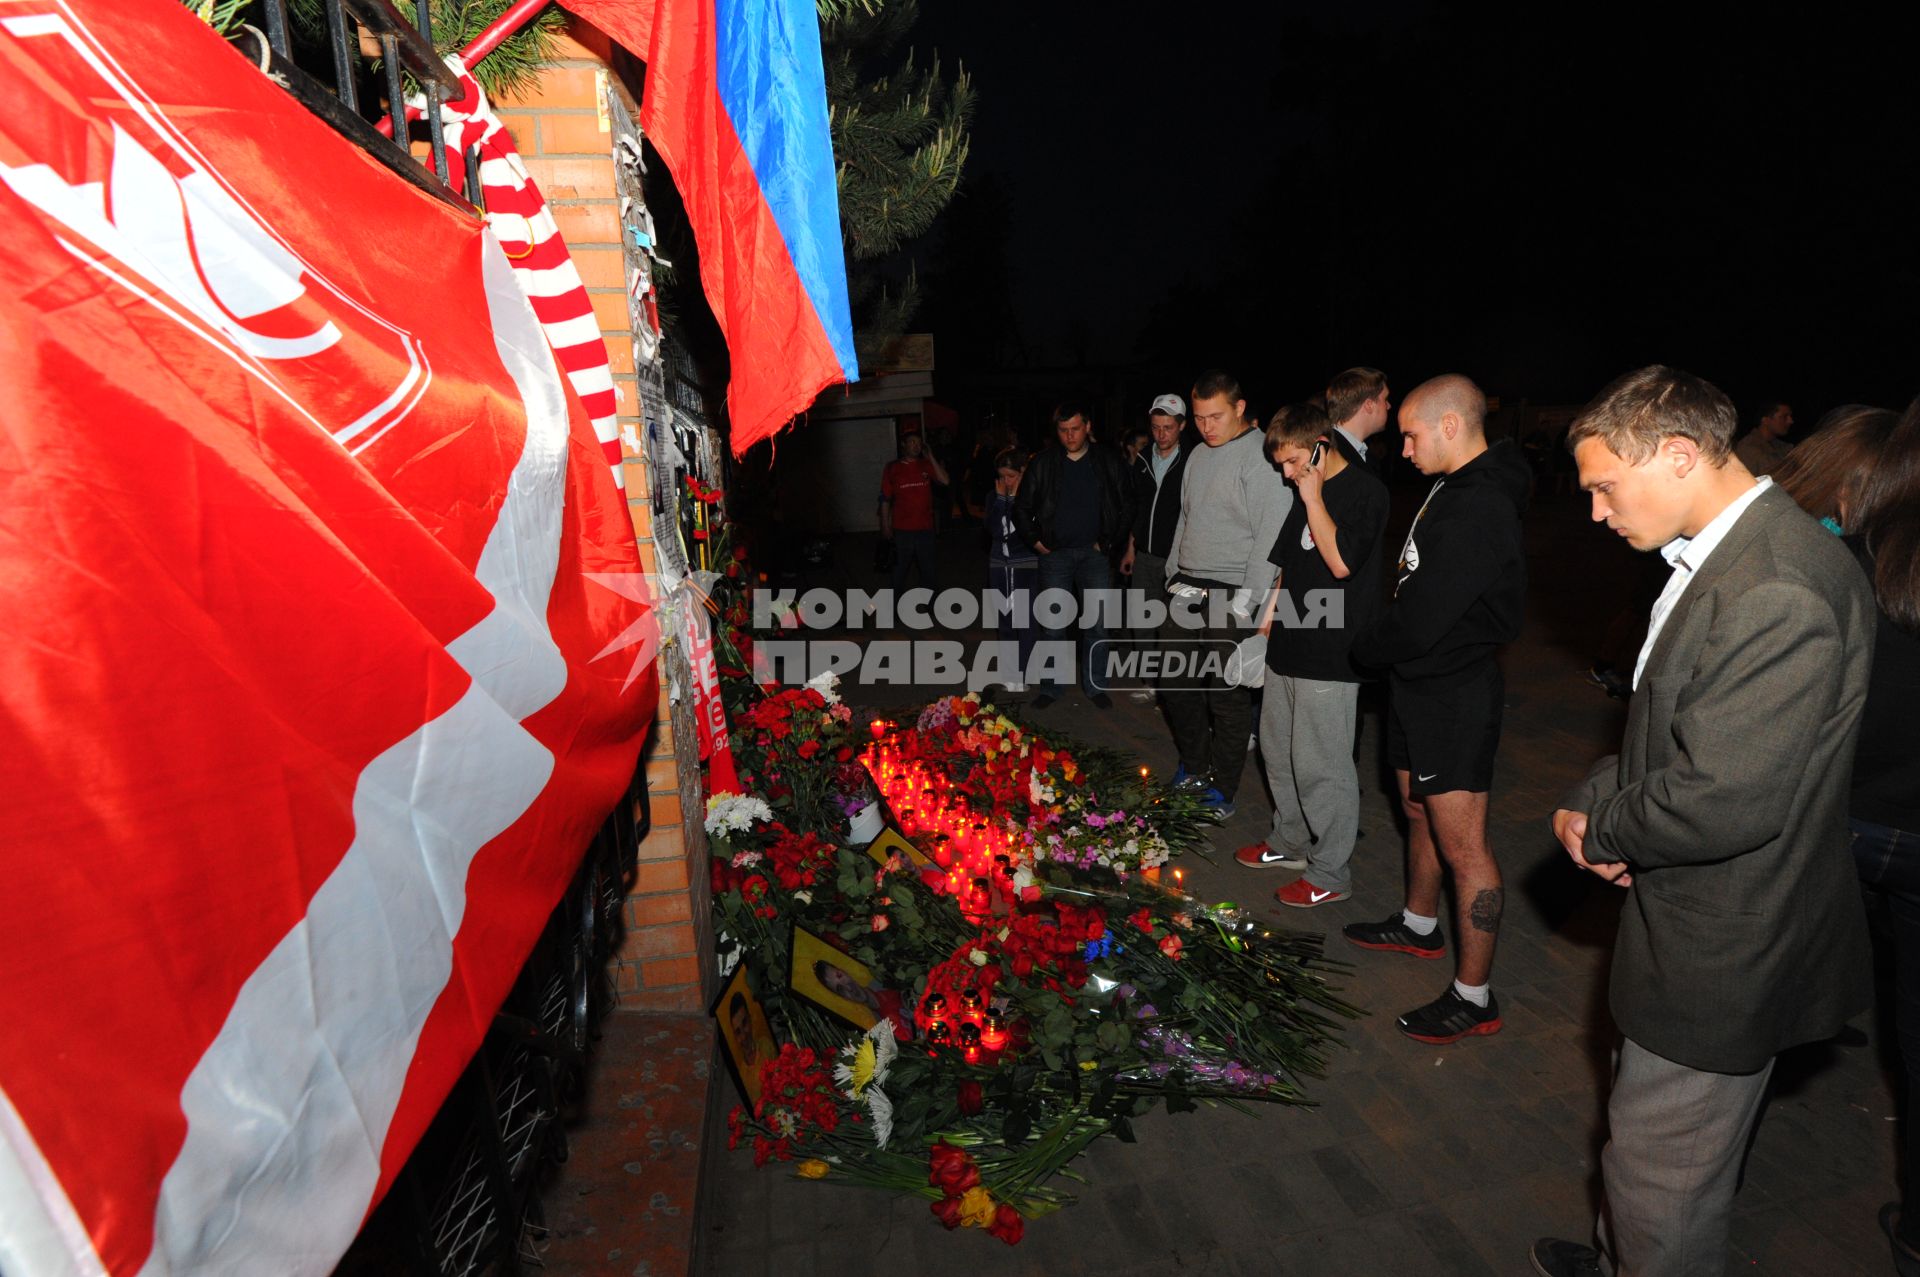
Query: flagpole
(517,15)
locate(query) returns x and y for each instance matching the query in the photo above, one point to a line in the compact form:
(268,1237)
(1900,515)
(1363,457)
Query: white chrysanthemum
(825,683)
(1038,791)
(735,813)
(861,1069)
(880,1109)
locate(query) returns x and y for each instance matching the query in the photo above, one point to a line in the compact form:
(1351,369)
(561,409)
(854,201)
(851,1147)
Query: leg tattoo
(1485,913)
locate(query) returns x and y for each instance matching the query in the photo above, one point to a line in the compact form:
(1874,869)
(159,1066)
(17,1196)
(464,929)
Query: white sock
(1420,926)
(1474,993)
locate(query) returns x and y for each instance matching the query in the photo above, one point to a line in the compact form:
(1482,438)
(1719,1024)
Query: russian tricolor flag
(736,104)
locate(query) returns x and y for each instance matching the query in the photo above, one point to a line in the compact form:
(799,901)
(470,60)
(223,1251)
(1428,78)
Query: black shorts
(1444,733)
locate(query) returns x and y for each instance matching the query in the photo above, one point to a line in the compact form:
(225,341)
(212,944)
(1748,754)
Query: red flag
(736,103)
(303,737)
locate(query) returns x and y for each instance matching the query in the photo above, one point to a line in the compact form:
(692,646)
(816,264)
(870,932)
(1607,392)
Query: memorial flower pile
(1027,983)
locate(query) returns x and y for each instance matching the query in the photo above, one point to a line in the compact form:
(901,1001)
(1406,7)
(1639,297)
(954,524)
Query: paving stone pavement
(1416,1159)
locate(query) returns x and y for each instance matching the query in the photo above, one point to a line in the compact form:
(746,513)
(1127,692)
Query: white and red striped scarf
(532,241)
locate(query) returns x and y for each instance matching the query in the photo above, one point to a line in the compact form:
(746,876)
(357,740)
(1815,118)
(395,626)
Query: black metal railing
(405,49)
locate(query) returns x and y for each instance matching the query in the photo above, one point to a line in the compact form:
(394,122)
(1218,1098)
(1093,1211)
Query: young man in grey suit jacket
(1724,815)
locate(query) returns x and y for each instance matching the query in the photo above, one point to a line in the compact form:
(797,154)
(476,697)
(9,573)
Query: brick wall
(564,129)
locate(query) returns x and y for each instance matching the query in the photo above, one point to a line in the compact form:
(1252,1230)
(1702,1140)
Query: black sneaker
(1101,700)
(1906,1260)
(1450,1017)
(1609,681)
(1554,1258)
(1396,936)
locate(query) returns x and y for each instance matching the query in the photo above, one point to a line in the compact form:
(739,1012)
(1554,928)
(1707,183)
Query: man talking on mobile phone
(1330,560)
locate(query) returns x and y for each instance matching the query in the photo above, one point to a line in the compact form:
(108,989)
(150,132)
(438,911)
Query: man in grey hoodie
(1232,503)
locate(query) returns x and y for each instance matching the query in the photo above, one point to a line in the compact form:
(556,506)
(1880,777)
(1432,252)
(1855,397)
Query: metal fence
(405,49)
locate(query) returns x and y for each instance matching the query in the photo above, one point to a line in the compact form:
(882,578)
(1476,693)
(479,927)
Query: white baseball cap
(1172,405)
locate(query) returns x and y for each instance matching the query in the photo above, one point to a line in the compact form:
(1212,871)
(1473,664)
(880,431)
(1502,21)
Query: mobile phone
(1319,451)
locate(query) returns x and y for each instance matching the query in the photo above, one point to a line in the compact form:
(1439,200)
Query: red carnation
(1140,919)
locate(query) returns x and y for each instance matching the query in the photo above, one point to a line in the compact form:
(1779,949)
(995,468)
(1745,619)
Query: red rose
(947,1211)
(950,1169)
(881,922)
(1170,946)
(971,1099)
(1008,1225)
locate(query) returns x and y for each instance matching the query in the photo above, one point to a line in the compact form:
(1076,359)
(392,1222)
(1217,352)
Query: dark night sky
(1538,195)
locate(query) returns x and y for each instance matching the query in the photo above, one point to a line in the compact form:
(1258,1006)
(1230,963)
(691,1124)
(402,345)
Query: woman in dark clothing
(1012,566)
(1885,811)
(1823,474)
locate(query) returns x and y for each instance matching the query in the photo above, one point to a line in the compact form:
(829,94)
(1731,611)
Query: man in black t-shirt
(1329,558)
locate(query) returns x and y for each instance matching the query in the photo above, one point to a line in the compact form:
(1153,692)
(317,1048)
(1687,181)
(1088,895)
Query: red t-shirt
(908,483)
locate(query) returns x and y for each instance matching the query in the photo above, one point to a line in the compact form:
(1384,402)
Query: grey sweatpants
(1306,738)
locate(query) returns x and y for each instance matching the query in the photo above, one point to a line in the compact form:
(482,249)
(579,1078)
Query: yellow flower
(1088,1066)
(812,1168)
(976,1208)
(863,1064)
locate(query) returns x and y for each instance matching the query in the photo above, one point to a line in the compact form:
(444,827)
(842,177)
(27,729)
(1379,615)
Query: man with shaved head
(1458,597)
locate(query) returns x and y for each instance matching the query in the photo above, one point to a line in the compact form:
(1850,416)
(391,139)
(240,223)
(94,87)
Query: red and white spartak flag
(301,734)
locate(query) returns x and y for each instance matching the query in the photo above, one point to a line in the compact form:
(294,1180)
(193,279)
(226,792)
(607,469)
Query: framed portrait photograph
(839,984)
(892,840)
(746,1038)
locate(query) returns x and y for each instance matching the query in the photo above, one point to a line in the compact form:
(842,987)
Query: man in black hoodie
(1458,597)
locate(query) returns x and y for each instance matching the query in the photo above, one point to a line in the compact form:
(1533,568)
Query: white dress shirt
(1359,444)
(1686,554)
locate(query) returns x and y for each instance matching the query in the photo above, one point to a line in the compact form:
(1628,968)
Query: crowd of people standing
(1769,768)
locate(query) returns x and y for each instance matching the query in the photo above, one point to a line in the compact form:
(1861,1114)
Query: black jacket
(1156,511)
(1036,503)
(1462,579)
